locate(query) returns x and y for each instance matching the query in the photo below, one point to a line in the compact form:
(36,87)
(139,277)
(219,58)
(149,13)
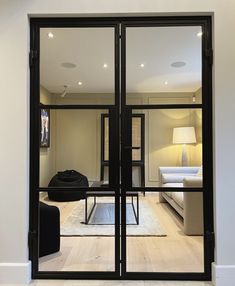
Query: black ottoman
(68,178)
(49,229)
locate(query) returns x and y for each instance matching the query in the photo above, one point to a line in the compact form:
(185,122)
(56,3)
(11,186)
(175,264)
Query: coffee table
(103,193)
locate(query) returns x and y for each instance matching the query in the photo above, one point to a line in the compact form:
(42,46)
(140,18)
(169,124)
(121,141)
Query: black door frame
(124,128)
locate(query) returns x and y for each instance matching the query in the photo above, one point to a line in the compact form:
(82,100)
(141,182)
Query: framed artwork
(45,128)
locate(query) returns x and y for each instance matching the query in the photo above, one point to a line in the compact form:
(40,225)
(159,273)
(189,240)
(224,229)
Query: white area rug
(148,224)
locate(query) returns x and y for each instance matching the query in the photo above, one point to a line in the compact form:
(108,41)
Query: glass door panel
(163,65)
(76,67)
(169,236)
(164,80)
(172,147)
(78,212)
(76,222)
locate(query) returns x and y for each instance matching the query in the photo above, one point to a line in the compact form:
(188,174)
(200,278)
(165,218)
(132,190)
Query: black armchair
(49,229)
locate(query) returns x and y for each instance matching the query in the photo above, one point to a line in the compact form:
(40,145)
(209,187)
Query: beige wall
(77,134)
(78,141)
(47,155)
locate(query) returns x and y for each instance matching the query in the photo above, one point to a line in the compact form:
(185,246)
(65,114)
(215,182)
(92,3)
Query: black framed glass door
(74,81)
(150,78)
(172,88)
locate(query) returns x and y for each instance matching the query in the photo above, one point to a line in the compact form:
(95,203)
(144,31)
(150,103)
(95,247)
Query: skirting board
(15,273)
(223,275)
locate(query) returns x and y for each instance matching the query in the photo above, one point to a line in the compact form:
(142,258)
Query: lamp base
(184,156)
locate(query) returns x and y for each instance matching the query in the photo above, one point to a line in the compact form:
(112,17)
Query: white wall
(14,37)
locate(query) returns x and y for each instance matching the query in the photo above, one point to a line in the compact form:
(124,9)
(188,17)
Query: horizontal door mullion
(164,106)
(87,189)
(76,106)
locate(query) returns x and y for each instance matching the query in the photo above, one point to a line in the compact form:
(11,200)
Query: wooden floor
(174,253)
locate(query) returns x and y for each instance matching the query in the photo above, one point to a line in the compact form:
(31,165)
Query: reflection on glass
(165,67)
(169,237)
(76,67)
(73,157)
(173,147)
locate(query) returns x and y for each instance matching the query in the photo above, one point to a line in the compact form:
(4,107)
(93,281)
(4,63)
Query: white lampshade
(184,135)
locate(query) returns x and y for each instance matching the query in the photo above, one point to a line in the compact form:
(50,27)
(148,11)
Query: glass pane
(77,235)
(173,147)
(163,65)
(76,67)
(106,138)
(73,154)
(169,236)
(136,138)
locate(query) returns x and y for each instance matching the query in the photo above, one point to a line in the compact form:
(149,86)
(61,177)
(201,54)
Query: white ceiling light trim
(179,64)
(199,34)
(50,35)
(68,65)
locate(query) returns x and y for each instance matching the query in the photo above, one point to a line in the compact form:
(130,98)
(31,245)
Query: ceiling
(90,48)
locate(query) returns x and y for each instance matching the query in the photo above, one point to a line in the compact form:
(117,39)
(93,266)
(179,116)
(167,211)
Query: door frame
(117,108)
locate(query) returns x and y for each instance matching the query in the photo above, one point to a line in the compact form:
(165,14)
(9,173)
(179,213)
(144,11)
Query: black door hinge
(31,238)
(209,55)
(211,238)
(33,55)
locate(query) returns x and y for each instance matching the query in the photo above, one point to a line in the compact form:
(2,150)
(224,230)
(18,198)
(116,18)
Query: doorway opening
(121,148)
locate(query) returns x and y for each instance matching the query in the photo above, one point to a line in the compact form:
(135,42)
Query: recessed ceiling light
(166,82)
(79,83)
(178,64)
(199,34)
(105,66)
(50,35)
(141,65)
(68,65)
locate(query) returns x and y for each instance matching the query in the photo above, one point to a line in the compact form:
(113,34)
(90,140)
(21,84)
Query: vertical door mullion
(126,176)
(114,176)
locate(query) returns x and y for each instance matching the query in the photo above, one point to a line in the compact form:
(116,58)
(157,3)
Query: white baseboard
(15,273)
(223,275)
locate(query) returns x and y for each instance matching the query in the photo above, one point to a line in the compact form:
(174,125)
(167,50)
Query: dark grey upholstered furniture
(49,229)
(65,180)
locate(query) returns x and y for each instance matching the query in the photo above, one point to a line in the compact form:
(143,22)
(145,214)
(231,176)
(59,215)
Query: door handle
(131,147)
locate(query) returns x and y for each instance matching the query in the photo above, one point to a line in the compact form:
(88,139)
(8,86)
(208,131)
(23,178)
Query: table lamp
(184,135)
